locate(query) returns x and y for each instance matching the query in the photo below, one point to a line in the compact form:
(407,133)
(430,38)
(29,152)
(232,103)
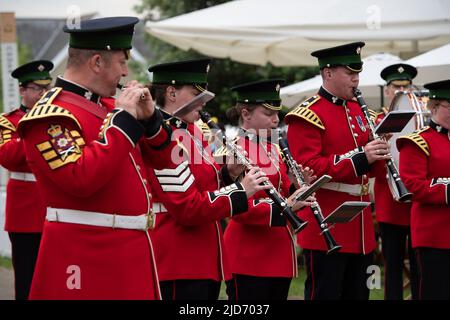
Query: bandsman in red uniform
(260,243)
(192,197)
(393,217)
(425,170)
(328,133)
(25,210)
(85,150)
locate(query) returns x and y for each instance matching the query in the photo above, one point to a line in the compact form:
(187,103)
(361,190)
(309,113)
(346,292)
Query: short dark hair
(158,92)
(234,113)
(77,57)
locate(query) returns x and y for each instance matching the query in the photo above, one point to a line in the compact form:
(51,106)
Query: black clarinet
(396,185)
(296,223)
(317,211)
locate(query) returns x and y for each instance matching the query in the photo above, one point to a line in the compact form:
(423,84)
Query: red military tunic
(25,210)
(188,237)
(387,209)
(77,170)
(327,134)
(259,242)
(425,170)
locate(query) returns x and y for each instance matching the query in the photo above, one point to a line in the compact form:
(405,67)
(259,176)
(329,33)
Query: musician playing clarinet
(393,216)
(261,243)
(424,165)
(328,133)
(194,193)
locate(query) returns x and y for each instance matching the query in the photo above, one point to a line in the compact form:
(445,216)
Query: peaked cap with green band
(111,33)
(348,55)
(35,71)
(265,92)
(399,73)
(189,72)
(439,90)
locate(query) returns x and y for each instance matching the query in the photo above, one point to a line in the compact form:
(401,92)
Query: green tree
(223,72)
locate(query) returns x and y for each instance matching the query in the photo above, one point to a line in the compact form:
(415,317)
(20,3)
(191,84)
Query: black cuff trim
(360,162)
(239,203)
(446,183)
(276,218)
(127,124)
(153,124)
(166,142)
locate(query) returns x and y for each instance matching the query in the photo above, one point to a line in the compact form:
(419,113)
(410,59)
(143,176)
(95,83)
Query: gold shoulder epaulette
(307,114)
(418,140)
(48,97)
(45,111)
(221,152)
(204,128)
(373,115)
(5,123)
(277,146)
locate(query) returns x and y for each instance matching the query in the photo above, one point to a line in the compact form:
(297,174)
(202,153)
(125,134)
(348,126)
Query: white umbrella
(433,65)
(284,32)
(370,82)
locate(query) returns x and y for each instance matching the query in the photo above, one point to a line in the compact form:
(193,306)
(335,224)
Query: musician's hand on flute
(300,204)
(253,180)
(377,150)
(136,99)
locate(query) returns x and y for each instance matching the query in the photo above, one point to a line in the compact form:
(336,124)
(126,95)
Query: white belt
(23,176)
(141,222)
(352,189)
(158,207)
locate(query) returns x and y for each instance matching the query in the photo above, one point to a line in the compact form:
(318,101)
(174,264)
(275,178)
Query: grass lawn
(5,262)
(296,290)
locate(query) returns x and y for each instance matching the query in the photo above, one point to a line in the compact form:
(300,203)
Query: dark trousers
(24,249)
(394,241)
(434,273)
(187,289)
(243,287)
(336,276)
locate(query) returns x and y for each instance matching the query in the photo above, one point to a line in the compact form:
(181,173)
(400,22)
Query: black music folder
(200,99)
(314,187)
(346,212)
(394,121)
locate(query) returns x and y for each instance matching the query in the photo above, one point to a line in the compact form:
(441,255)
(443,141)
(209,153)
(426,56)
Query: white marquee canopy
(284,32)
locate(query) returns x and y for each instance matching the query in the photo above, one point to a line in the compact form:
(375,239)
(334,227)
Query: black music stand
(394,121)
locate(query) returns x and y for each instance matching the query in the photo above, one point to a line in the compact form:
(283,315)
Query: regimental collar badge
(330,97)
(88,95)
(439,128)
